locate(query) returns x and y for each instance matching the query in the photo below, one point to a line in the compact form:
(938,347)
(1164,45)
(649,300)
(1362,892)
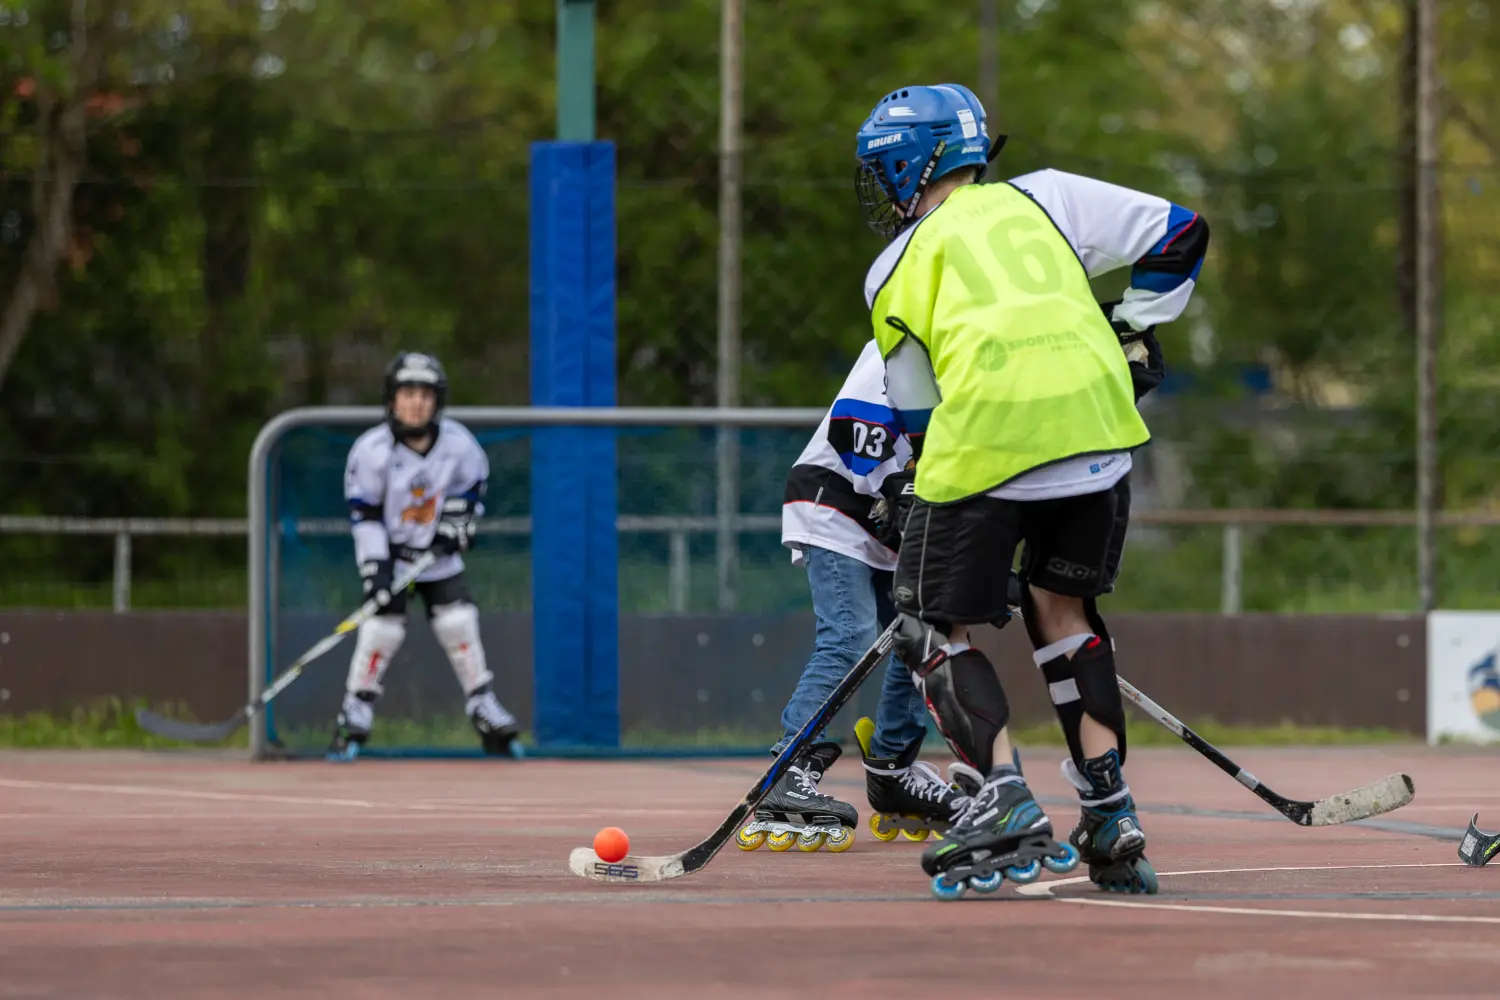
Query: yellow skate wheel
(919,835)
(841,841)
(750,841)
(883,827)
(781,841)
(811,841)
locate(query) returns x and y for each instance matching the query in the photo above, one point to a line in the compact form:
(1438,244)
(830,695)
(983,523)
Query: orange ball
(611,844)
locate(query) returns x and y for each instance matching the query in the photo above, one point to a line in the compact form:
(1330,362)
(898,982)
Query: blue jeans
(852,605)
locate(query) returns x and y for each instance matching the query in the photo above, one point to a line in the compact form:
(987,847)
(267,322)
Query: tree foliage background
(269,198)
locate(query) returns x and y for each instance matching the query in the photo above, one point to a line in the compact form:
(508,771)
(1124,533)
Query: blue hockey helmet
(914,136)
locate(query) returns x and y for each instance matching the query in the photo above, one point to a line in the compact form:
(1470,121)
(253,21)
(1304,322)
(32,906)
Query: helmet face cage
(410,369)
(877,194)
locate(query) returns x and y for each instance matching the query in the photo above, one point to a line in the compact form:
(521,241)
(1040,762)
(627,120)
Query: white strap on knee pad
(375,644)
(1062,692)
(1062,647)
(456,627)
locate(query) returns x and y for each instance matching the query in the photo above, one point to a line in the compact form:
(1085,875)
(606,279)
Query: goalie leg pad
(1086,685)
(375,644)
(456,627)
(968,703)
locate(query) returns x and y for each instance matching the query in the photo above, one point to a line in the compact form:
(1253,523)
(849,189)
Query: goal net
(693,674)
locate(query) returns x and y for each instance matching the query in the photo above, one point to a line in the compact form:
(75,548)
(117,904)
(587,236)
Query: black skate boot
(1002,833)
(352,730)
(909,796)
(1108,835)
(795,812)
(496,727)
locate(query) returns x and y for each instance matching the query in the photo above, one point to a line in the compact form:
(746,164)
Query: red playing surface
(187,875)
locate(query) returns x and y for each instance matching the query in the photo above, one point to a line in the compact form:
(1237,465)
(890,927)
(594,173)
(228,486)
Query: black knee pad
(968,703)
(916,641)
(1094,669)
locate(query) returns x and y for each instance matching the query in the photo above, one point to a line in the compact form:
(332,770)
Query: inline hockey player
(1020,409)
(416,482)
(826,521)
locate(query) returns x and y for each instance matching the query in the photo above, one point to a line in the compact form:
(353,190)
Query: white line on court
(447,808)
(1044,891)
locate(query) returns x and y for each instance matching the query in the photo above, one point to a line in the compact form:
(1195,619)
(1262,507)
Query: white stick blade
(629,869)
(1383,796)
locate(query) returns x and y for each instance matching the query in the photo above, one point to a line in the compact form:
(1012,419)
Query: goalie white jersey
(396,494)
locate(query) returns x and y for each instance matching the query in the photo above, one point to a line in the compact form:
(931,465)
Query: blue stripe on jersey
(1178,219)
(860,465)
(871,413)
(915,421)
(1148,280)
(363,510)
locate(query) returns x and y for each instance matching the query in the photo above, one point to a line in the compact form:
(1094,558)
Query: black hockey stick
(215,732)
(1383,796)
(631,868)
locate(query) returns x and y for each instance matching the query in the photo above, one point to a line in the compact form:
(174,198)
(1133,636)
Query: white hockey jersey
(396,494)
(837,477)
(1109,227)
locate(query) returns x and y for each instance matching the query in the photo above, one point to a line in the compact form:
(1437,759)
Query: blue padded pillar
(574,549)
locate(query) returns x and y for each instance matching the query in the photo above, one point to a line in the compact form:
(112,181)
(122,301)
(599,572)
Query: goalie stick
(215,732)
(632,868)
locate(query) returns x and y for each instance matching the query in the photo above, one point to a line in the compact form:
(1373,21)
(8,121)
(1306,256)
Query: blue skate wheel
(986,883)
(1024,874)
(1064,864)
(947,889)
(1147,878)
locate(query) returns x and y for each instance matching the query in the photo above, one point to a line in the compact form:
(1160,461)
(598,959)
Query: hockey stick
(1389,793)
(631,868)
(1383,796)
(214,732)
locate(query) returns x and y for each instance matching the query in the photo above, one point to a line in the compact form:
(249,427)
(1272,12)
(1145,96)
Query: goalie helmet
(412,368)
(914,136)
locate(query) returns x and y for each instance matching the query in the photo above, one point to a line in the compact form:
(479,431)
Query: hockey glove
(897,491)
(456,526)
(378,575)
(1147,366)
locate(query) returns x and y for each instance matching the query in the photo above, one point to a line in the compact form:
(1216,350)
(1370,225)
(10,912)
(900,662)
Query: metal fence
(1232,526)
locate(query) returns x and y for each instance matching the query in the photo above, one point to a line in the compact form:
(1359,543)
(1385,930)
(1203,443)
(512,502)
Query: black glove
(455,529)
(378,575)
(897,492)
(1147,366)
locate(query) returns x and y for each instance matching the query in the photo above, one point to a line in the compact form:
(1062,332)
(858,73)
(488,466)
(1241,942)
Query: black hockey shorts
(434,593)
(955,558)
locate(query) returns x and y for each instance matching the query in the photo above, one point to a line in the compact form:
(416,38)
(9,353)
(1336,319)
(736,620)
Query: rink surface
(204,875)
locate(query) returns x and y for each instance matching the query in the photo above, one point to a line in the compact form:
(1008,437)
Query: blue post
(574,548)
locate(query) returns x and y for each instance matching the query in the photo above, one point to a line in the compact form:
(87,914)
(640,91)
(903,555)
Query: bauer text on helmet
(913,137)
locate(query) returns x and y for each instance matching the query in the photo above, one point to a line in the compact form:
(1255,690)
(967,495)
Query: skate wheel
(1064,863)
(916,836)
(1024,874)
(1146,876)
(986,883)
(883,827)
(945,888)
(811,841)
(841,841)
(749,841)
(781,841)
